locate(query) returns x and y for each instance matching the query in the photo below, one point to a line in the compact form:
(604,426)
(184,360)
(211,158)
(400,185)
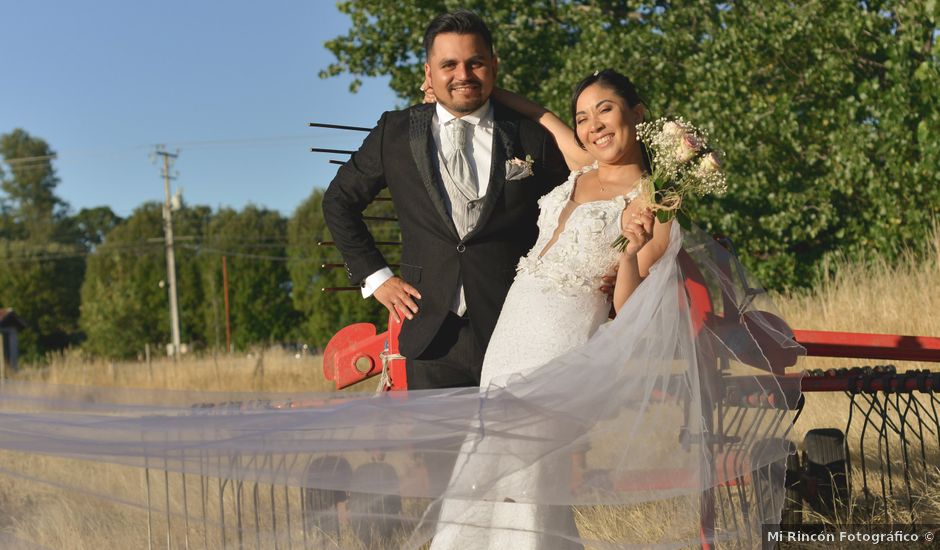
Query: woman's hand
(638,231)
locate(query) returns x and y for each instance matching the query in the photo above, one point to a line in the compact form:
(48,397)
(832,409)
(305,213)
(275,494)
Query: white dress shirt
(480,154)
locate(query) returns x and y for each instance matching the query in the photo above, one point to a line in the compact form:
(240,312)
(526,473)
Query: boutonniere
(517,169)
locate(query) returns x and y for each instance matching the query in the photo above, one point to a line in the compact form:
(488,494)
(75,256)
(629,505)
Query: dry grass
(899,298)
(271,370)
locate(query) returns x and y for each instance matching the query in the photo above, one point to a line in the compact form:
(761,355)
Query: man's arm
(355,186)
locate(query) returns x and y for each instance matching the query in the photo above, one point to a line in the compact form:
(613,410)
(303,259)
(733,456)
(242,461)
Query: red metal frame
(361,344)
(859,345)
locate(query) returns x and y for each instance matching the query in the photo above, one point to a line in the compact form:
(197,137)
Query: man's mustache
(464,83)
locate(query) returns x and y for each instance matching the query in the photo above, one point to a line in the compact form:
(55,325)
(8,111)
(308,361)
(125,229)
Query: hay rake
(892,416)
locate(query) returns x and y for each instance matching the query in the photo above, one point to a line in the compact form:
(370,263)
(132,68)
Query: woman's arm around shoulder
(575,156)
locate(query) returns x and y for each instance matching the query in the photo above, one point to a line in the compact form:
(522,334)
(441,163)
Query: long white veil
(680,406)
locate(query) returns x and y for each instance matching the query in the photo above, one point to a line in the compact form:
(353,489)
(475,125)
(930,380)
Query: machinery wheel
(826,482)
(320,515)
(374,516)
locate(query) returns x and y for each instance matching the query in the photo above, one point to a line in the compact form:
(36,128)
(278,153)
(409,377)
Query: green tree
(124,300)
(327,312)
(90,225)
(254,243)
(41,268)
(39,282)
(825,109)
(30,185)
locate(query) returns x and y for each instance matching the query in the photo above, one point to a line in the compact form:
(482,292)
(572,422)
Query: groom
(465,221)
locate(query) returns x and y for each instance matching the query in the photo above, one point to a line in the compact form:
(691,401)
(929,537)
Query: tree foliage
(254,243)
(826,110)
(124,298)
(41,266)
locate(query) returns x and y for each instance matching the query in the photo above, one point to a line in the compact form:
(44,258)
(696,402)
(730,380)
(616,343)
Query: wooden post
(3,357)
(149,362)
(228,320)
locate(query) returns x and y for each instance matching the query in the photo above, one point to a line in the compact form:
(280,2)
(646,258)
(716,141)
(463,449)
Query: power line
(72,153)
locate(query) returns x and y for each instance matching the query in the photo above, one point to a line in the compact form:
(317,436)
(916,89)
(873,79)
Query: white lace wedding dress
(553,306)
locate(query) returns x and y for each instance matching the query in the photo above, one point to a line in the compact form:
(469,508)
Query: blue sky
(231,84)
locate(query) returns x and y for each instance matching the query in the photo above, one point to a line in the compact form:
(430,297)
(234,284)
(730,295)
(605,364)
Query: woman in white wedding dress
(554,304)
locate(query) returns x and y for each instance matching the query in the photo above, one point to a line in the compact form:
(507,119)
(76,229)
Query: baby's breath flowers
(683,164)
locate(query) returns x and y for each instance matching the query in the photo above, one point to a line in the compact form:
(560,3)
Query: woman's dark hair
(460,22)
(608,78)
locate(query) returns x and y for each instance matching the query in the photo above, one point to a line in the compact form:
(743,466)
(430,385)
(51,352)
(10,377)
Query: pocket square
(517,169)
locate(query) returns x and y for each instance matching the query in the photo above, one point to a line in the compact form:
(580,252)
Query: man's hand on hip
(395,294)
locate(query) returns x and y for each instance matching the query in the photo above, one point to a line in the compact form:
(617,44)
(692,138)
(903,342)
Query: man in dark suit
(464,221)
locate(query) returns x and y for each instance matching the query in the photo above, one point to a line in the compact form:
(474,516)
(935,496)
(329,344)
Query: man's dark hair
(459,22)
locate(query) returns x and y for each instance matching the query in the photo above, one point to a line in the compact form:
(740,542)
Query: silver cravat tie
(457,163)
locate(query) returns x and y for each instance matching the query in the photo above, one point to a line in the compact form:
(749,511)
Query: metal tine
(848,425)
(222,483)
(204,498)
(735,423)
(166,487)
(726,508)
(916,406)
(185,502)
(257,504)
(149,504)
(331,151)
(251,462)
(902,421)
(888,488)
(380,243)
(265,463)
(759,417)
(864,433)
(745,509)
(273,502)
(883,441)
(906,432)
(303,515)
(339,127)
(288,468)
(238,512)
(339,265)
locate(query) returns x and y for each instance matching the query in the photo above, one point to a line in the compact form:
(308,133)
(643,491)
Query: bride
(552,306)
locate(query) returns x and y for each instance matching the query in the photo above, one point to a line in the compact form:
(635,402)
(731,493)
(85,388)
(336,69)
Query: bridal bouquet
(683,164)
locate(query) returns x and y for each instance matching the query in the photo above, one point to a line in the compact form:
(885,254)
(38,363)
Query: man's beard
(466,106)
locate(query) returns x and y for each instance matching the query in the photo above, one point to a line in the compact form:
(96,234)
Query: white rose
(710,163)
(671,128)
(689,146)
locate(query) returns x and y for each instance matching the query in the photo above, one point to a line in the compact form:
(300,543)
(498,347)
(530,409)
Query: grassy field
(898,298)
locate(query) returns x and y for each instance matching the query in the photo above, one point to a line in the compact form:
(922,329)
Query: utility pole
(168,158)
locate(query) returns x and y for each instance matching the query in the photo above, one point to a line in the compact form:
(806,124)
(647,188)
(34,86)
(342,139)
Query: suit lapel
(505,132)
(423,153)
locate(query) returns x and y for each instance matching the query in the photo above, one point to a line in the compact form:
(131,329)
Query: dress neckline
(575,175)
